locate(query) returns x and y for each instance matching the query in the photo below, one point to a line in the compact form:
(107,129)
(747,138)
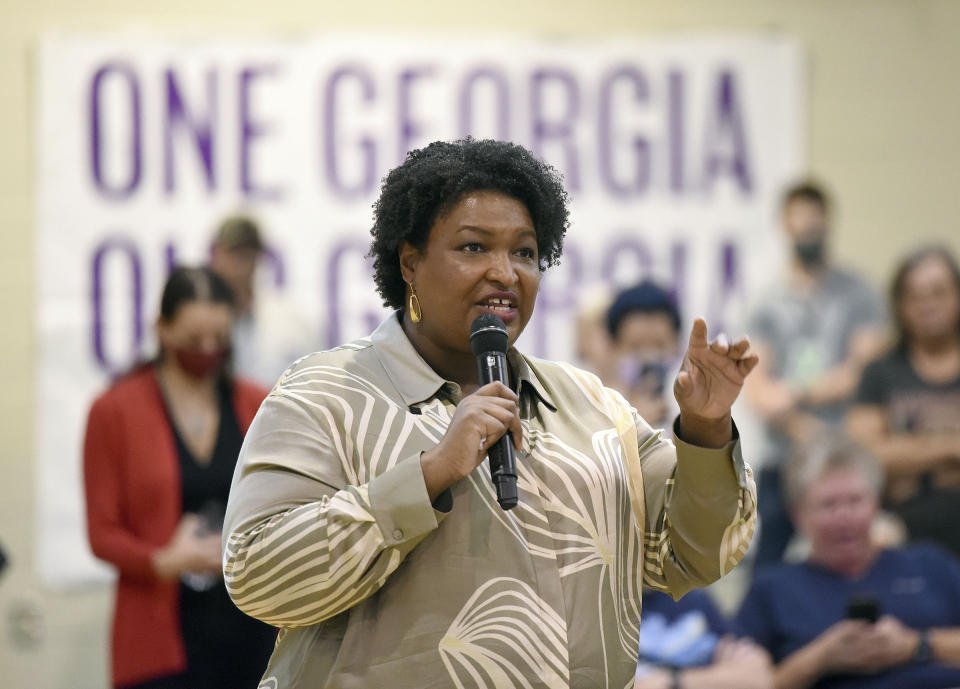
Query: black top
(225,648)
(912,405)
(206,486)
(929,504)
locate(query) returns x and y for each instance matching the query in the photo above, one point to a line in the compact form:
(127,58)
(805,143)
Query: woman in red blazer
(160,449)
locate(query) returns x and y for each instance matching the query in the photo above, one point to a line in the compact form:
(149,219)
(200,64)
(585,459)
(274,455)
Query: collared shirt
(330,534)
(789,605)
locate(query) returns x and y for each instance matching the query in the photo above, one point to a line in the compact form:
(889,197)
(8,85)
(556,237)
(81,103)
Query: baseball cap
(239,232)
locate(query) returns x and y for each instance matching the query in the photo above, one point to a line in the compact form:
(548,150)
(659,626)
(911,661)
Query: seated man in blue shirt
(854,615)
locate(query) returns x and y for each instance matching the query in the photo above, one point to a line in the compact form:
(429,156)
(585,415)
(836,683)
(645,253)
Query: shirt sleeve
(110,538)
(700,510)
(301,542)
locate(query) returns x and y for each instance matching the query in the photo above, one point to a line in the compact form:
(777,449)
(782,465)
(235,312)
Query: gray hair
(828,453)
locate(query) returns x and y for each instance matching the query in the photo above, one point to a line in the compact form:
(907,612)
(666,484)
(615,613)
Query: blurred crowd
(854,581)
(854,578)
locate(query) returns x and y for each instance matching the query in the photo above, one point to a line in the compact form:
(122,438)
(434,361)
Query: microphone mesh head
(488,334)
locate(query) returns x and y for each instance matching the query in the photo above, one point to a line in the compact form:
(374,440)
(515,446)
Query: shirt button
(398,534)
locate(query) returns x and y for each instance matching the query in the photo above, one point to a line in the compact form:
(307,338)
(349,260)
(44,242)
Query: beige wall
(884,114)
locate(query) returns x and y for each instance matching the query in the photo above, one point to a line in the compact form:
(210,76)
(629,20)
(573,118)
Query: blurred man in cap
(237,248)
(269,333)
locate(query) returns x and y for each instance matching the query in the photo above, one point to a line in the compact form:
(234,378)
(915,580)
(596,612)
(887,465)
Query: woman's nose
(501,269)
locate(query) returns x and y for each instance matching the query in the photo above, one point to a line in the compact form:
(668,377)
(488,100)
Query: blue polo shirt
(789,605)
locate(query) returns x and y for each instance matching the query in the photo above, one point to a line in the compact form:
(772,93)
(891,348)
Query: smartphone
(211,517)
(863,608)
(646,375)
(653,376)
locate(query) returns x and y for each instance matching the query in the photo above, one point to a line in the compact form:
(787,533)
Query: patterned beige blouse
(330,534)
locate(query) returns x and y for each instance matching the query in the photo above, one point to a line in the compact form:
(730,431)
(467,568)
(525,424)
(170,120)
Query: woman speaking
(362,523)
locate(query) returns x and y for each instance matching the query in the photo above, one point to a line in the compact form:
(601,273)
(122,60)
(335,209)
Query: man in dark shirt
(854,616)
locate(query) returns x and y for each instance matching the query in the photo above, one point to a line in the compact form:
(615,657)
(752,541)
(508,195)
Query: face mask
(200,364)
(809,251)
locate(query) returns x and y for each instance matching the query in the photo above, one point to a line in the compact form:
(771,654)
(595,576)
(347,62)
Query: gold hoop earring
(413,303)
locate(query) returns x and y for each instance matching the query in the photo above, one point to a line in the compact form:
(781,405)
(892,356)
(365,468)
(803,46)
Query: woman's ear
(409,258)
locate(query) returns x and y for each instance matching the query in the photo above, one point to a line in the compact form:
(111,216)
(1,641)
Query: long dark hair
(898,285)
(187,284)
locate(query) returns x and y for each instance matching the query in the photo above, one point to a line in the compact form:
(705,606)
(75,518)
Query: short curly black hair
(434,178)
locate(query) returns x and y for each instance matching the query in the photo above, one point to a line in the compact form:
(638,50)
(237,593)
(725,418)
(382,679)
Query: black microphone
(488,340)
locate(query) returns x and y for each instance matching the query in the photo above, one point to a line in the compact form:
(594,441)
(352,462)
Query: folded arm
(903,454)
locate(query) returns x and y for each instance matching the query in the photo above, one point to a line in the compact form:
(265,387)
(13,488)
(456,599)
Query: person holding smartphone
(853,615)
(644,326)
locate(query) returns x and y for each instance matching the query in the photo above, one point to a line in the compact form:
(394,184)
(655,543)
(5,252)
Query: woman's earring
(413,302)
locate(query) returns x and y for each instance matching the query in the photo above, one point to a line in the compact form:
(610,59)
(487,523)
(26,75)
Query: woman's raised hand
(708,384)
(480,420)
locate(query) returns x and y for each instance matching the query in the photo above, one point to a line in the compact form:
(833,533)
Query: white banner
(674,151)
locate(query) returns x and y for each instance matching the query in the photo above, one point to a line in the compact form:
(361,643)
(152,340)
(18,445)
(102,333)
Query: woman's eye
(529,254)
(472,248)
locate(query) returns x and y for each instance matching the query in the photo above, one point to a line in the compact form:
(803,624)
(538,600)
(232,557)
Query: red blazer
(131,474)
